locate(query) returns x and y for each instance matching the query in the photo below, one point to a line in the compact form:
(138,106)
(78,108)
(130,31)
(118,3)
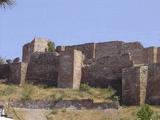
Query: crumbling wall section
(87,49)
(131,46)
(112,48)
(43,68)
(139,56)
(137,52)
(70,69)
(134,84)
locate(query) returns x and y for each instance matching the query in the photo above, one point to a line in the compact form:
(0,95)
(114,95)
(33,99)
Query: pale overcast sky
(78,21)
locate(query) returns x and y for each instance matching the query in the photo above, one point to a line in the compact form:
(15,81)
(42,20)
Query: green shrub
(156,116)
(58,96)
(26,92)
(115,98)
(84,88)
(145,113)
(110,93)
(63,110)
(42,86)
(54,112)
(99,93)
(51,46)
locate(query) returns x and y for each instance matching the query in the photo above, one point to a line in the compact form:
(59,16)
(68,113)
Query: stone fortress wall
(128,67)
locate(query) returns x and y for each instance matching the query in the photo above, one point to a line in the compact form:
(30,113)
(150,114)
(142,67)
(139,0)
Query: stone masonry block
(153,88)
(70,69)
(134,83)
(158,55)
(152,54)
(17,73)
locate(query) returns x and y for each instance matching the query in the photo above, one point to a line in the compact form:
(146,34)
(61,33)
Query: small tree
(4,3)
(51,46)
(145,113)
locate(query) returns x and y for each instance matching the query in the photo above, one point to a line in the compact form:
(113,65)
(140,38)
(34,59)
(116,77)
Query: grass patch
(97,93)
(126,113)
(8,90)
(33,92)
(26,93)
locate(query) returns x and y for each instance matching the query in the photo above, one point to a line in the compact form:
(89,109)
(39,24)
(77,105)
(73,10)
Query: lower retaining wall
(69,104)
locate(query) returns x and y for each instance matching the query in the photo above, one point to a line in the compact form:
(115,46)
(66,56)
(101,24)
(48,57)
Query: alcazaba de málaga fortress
(134,71)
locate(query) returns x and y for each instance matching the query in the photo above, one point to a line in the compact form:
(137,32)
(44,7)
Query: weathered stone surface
(43,68)
(4,71)
(37,45)
(17,73)
(68,104)
(158,55)
(106,72)
(70,69)
(153,87)
(87,49)
(151,54)
(134,84)
(112,48)
(130,46)
(138,53)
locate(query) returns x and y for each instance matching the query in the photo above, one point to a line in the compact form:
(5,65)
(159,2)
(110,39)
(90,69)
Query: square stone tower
(37,45)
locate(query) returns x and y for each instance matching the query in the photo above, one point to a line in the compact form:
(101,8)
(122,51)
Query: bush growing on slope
(145,113)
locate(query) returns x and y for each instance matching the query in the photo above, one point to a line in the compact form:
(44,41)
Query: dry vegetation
(30,92)
(125,113)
